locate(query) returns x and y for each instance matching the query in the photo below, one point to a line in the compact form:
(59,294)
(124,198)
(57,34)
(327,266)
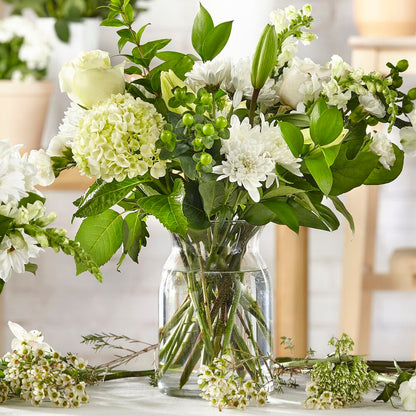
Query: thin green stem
(253,105)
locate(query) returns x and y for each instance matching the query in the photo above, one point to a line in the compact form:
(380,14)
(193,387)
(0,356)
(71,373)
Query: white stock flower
(407,393)
(43,164)
(372,104)
(32,339)
(301,82)
(251,154)
(382,146)
(90,78)
(336,96)
(209,73)
(340,69)
(15,251)
(238,83)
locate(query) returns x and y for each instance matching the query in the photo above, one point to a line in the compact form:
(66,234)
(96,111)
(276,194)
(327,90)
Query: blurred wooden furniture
(70,180)
(291,290)
(359,278)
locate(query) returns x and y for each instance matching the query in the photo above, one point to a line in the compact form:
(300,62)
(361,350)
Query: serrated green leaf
(134,234)
(215,41)
(100,236)
(320,171)
(106,195)
(168,208)
(203,24)
(292,136)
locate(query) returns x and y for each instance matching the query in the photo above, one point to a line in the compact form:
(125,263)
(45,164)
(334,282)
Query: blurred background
(65,307)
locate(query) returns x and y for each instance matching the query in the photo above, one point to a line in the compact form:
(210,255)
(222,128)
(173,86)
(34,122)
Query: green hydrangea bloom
(117,139)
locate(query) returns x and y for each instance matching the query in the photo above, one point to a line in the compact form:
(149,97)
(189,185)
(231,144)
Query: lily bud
(168,81)
(264,58)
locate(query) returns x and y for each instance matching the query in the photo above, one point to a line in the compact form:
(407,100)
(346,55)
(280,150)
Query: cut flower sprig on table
(213,148)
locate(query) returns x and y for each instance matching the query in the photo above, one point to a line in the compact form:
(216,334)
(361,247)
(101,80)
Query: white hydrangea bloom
(209,73)
(112,136)
(251,154)
(238,83)
(382,146)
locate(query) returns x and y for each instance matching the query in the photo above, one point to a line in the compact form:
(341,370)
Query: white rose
(407,393)
(372,104)
(90,78)
(43,164)
(301,82)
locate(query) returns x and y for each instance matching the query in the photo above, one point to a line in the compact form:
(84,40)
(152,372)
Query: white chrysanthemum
(67,130)
(117,139)
(382,146)
(251,154)
(15,251)
(239,84)
(209,73)
(17,175)
(35,49)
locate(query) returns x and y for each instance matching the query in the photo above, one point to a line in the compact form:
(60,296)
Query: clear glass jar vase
(215,299)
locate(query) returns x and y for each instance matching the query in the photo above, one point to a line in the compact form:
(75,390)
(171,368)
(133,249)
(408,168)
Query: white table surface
(135,397)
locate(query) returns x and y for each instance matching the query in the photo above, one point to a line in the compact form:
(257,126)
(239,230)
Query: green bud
(264,58)
(402,65)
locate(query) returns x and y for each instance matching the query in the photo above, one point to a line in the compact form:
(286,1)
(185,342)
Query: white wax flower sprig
(34,372)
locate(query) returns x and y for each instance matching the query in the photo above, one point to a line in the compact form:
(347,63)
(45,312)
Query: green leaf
(193,207)
(320,171)
(259,214)
(213,196)
(215,40)
(293,137)
(106,195)
(308,218)
(4,226)
(168,208)
(327,216)
(350,173)
(340,207)
(62,30)
(284,212)
(203,24)
(2,282)
(299,120)
(327,127)
(382,175)
(31,268)
(112,22)
(331,153)
(100,236)
(134,234)
(188,166)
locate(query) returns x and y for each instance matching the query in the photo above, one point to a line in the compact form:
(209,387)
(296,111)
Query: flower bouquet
(213,149)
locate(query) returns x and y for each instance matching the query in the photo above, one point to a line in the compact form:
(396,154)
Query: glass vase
(215,299)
